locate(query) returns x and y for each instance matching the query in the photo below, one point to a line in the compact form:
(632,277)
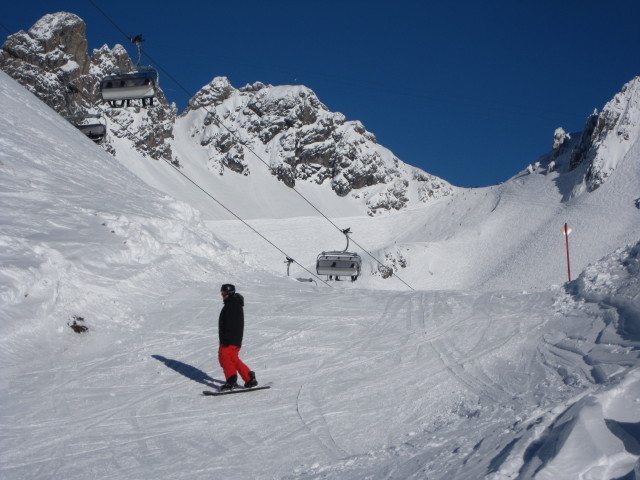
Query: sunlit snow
(492,367)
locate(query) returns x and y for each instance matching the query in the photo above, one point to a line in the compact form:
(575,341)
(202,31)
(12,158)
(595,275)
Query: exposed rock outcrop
(608,136)
(52,61)
(286,126)
(303,142)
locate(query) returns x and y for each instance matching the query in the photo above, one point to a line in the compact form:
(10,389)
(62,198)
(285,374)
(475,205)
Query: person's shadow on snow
(188,371)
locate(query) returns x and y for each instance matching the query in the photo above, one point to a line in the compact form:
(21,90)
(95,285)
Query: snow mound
(615,282)
(598,436)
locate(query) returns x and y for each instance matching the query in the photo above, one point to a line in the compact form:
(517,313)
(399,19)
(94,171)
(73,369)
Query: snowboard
(235,390)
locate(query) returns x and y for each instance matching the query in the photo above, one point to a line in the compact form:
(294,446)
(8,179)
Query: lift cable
(243,221)
(235,135)
(289,259)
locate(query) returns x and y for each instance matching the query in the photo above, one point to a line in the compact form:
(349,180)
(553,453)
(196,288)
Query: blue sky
(471,91)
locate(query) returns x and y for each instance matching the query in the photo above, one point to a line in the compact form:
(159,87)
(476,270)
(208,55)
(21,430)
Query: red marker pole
(567,231)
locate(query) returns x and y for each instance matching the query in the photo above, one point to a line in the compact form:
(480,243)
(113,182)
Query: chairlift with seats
(124,87)
(95,131)
(337,263)
(135,83)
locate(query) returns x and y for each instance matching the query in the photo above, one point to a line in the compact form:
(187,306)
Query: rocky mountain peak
(49,57)
(62,29)
(287,126)
(105,60)
(608,136)
(304,142)
(212,94)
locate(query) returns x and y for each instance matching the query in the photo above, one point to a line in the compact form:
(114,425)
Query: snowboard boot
(252,381)
(232,382)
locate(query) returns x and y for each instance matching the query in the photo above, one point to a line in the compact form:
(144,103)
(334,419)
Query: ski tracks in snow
(468,350)
(430,341)
(347,357)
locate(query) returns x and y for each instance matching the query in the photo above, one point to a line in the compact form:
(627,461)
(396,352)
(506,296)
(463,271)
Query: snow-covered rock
(608,136)
(286,126)
(51,59)
(302,140)
(615,281)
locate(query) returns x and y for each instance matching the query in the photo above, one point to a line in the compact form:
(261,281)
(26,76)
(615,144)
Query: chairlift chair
(135,83)
(95,131)
(339,263)
(124,87)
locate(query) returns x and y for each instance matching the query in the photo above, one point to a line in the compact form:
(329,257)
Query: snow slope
(455,382)
(506,236)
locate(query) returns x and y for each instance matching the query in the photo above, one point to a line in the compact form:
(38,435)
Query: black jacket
(231,321)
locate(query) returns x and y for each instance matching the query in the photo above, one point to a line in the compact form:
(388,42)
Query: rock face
(302,141)
(51,60)
(287,126)
(608,136)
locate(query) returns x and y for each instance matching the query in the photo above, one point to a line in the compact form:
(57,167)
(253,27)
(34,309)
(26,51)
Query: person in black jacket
(230,331)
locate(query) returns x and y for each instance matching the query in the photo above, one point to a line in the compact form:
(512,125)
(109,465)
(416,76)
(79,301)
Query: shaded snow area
(368,380)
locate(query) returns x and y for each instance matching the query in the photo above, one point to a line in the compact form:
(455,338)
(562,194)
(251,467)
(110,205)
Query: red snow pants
(231,363)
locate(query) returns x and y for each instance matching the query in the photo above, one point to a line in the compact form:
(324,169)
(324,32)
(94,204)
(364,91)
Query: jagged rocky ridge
(302,140)
(299,137)
(51,60)
(605,140)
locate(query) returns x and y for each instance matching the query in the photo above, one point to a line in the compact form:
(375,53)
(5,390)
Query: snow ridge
(608,137)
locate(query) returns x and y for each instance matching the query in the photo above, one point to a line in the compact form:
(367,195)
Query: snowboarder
(230,331)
